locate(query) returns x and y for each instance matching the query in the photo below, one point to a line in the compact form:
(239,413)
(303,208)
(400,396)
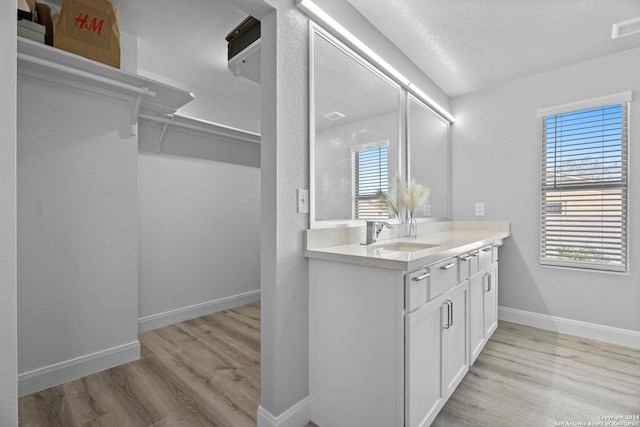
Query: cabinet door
(476,315)
(490,300)
(456,354)
(424,388)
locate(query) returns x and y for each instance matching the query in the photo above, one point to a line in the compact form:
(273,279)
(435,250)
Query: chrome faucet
(373,230)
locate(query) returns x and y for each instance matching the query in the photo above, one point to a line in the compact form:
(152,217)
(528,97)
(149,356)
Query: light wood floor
(203,372)
(532,377)
(206,372)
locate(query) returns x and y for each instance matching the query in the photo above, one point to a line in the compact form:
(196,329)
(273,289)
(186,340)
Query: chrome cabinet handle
(445,306)
(419,278)
(474,254)
(487,279)
(465,258)
(449,304)
(447,267)
(487,249)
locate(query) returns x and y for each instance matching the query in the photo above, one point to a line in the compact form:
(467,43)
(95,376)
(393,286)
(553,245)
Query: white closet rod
(206,127)
(90,76)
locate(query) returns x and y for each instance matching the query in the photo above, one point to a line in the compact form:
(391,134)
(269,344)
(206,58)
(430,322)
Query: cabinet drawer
(473,262)
(442,276)
(415,293)
(464,267)
(495,252)
(485,257)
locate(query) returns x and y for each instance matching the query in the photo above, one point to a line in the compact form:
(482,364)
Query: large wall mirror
(359,139)
(429,157)
(355,134)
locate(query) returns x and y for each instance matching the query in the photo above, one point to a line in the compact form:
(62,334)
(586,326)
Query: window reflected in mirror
(371,179)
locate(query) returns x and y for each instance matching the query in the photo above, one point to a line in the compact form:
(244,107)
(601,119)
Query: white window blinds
(584,188)
(371,180)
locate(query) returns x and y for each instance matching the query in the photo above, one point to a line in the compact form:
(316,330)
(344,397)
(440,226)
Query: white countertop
(460,238)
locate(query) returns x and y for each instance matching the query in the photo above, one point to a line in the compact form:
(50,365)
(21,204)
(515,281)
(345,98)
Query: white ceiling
(462,45)
(466,45)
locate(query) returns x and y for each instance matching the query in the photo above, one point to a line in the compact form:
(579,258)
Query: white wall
(284,274)
(77,234)
(496,160)
(199,237)
(8,316)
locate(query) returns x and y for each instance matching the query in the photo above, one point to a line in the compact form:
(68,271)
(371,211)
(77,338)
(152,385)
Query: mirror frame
(315,30)
(403,143)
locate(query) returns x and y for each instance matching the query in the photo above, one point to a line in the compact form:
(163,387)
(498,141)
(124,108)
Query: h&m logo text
(95,25)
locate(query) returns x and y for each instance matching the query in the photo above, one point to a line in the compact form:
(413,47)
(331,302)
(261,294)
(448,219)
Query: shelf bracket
(135,110)
(256,78)
(161,137)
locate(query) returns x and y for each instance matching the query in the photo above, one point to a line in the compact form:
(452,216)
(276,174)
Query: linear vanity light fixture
(312,9)
(315,12)
(430,102)
(626,28)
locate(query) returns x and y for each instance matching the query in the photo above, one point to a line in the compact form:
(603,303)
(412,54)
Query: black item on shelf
(242,36)
(23,14)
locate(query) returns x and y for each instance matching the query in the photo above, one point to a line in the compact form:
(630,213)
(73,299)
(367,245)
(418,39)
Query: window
(584,188)
(371,180)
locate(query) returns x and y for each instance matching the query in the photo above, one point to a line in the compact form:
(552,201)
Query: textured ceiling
(185,41)
(462,45)
(466,45)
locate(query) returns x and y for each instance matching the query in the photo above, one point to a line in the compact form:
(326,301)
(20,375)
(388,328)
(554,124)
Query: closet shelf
(58,66)
(229,133)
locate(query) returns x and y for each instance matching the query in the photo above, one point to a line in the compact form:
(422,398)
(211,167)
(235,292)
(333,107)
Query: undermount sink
(404,246)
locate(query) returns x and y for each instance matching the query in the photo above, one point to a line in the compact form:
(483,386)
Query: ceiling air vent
(626,28)
(243,49)
(336,115)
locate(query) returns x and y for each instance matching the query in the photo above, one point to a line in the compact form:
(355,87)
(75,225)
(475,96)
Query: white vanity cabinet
(388,347)
(356,345)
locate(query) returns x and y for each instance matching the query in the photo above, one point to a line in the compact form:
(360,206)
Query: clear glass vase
(411,227)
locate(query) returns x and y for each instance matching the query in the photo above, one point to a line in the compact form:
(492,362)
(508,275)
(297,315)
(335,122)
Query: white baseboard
(59,373)
(155,321)
(572,327)
(296,416)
